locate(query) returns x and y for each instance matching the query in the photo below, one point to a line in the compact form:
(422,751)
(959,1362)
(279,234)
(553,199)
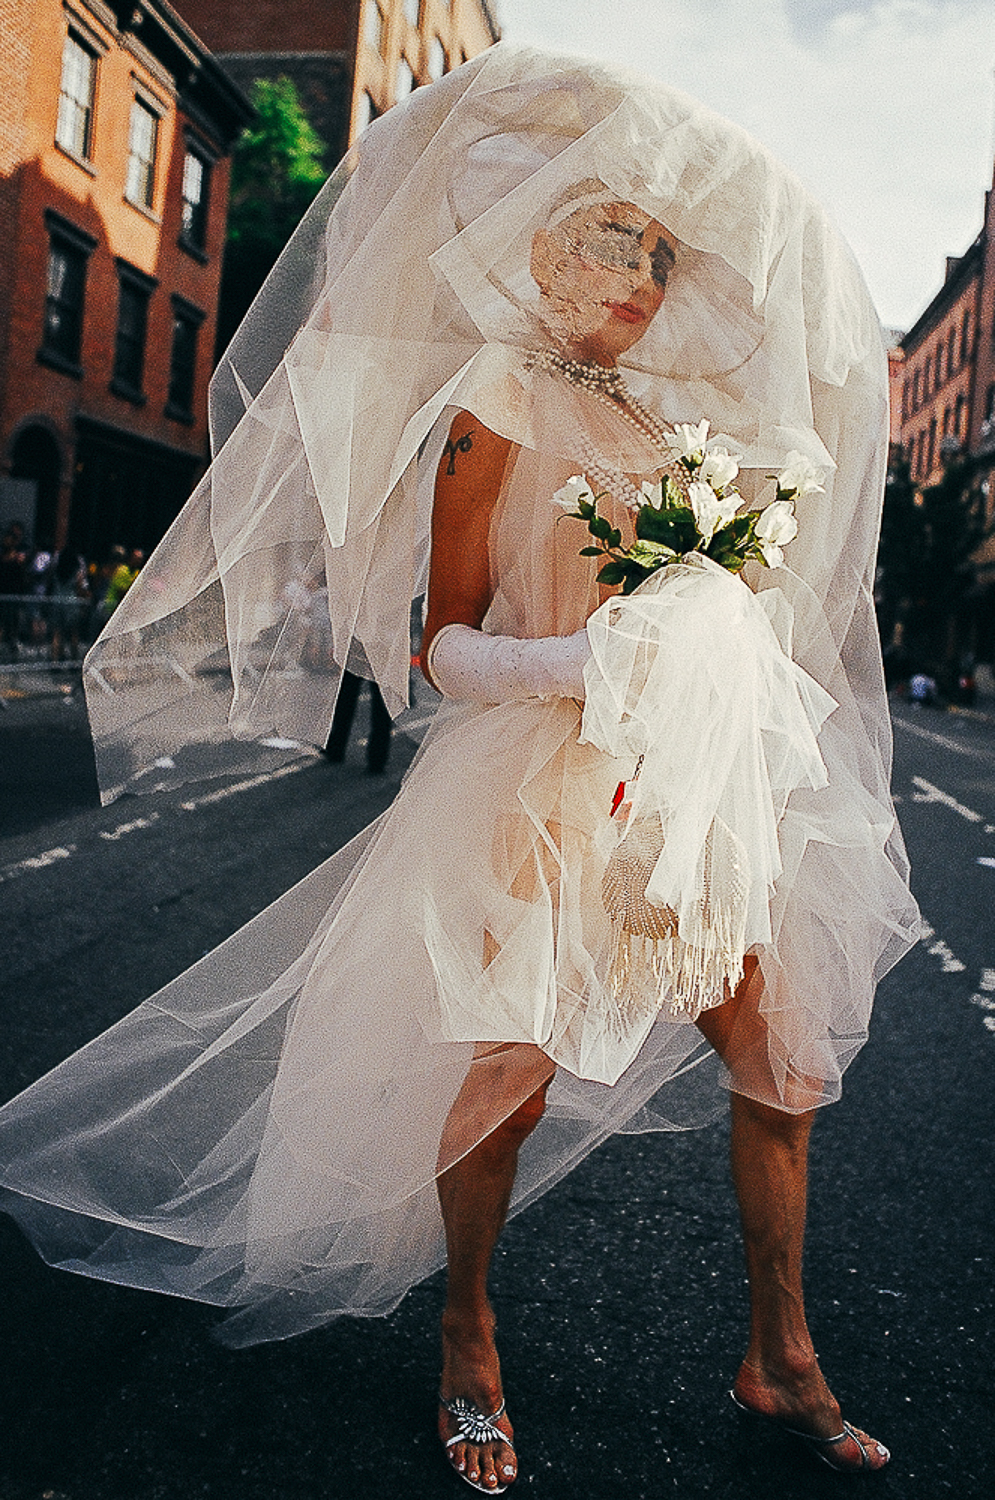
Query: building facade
(115,128)
(350,59)
(943,385)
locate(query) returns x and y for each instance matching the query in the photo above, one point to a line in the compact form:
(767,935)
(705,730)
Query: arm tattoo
(451,449)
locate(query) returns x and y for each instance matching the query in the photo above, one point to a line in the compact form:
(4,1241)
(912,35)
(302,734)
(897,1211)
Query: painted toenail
(508,1469)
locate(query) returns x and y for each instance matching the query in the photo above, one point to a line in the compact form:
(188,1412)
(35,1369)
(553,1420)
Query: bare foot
(798,1398)
(470,1370)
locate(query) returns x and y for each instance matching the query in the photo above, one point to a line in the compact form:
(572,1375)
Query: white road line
(123,829)
(945,740)
(244,786)
(948,963)
(930,793)
(984,996)
(984,860)
(37,862)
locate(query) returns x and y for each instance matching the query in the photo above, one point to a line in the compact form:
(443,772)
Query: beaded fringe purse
(687,975)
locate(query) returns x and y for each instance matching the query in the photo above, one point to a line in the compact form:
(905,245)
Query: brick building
(943,385)
(350,59)
(115,126)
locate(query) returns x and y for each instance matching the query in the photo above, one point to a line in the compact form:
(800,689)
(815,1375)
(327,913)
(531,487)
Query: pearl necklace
(607,385)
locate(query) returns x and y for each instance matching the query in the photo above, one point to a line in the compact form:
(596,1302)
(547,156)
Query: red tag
(617,799)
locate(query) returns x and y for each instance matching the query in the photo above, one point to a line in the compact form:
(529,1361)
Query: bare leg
(780,1375)
(474,1195)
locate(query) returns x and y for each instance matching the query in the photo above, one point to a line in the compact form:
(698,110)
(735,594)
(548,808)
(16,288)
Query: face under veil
(402,292)
(265,1132)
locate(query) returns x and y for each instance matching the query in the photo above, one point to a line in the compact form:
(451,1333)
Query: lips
(627,311)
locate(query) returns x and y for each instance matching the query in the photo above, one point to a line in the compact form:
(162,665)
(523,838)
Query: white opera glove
(469,664)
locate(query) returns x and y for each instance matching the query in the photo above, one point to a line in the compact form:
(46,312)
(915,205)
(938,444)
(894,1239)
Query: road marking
(244,786)
(984,996)
(123,829)
(37,862)
(985,860)
(949,964)
(940,739)
(930,793)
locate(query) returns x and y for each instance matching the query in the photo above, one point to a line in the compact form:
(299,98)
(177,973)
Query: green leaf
(672,528)
(614,538)
(591,551)
(612,573)
(600,528)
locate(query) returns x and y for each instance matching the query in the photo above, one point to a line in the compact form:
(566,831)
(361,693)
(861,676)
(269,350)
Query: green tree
(276,172)
(927,571)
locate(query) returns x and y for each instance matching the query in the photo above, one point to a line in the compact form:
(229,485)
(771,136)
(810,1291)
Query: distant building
(943,384)
(115,128)
(350,59)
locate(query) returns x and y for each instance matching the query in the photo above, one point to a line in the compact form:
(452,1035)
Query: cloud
(883,107)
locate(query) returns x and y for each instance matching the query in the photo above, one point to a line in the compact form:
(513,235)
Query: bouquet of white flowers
(700,514)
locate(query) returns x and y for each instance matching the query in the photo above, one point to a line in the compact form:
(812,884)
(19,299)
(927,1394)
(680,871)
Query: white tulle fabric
(265,1132)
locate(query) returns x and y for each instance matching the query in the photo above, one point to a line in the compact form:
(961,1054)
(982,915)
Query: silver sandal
(476,1428)
(816,1445)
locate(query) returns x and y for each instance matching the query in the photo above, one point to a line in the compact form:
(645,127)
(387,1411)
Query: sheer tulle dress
(265,1133)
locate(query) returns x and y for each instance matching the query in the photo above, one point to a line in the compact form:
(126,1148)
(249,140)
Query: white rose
(718,468)
(776,527)
(576,488)
(800,476)
(653,493)
(687,440)
(711,511)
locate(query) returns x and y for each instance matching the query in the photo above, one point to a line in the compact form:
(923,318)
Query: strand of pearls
(607,385)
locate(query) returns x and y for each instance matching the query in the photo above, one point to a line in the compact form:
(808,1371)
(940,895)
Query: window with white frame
(135,290)
(69,250)
(143,145)
(195,191)
(183,360)
(77,87)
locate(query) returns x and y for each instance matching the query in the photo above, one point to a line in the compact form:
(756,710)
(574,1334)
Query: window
(74,127)
(931,447)
(965,337)
(938,365)
(183,360)
(374,27)
(404,79)
(436,59)
(68,252)
(196,184)
(134,292)
(951,351)
(989,405)
(905,399)
(926,376)
(143,139)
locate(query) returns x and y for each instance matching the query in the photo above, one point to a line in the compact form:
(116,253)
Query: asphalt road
(620,1295)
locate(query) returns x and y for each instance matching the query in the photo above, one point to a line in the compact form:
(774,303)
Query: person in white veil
(646,859)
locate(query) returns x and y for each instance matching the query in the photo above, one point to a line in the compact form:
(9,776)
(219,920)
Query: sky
(885,108)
